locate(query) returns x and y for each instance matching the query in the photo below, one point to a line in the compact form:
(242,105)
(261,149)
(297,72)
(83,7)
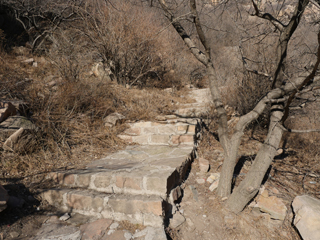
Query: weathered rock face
(7,109)
(307,216)
(3,198)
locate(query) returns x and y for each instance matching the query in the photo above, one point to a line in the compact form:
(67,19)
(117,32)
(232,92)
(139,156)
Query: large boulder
(307,216)
(3,198)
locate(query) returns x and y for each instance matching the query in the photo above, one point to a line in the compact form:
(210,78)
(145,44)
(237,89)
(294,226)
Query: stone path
(141,183)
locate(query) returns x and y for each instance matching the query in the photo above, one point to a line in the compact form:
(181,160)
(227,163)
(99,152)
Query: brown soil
(206,217)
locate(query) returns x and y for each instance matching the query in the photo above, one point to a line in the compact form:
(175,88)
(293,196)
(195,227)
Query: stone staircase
(141,183)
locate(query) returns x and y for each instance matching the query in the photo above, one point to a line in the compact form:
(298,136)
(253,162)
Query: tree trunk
(249,187)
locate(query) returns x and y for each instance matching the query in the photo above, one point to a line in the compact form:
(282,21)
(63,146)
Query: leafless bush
(131,37)
(70,113)
(68,54)
(39,19)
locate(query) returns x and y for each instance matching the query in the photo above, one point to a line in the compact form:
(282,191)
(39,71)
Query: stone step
(168,132)
(150,170)
(160,139)
(138,209)
(141,183)
(138,184)
(192,111)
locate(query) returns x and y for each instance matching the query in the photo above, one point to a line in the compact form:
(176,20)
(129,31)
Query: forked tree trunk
(249,187)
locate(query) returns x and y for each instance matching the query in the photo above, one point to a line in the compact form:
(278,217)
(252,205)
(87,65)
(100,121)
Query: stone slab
(138,209)
(54,231)
(95,230)
(307,216)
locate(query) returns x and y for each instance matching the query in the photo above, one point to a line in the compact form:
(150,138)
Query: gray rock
(150,233)
(14,235)
(28,61)
(113,119)
(54,231)
(127,235)
(271,205)
(156,234)
(175,194)
(204,165)
(177,220)
(200,180)
(114,226)
(307,216)
(194,192)
(64,217)
(78,219)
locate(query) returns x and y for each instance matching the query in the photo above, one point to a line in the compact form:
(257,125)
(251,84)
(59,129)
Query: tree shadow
(239,166)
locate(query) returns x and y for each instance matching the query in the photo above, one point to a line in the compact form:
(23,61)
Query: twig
(297,131)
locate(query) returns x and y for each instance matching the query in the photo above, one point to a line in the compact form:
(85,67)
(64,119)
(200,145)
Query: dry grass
(68,106)
(69,115)
(131,227)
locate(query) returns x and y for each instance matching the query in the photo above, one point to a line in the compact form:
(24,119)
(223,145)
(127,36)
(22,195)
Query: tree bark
(249,187)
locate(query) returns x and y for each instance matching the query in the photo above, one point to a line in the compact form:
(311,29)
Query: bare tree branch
(279,25)
(303,84)
(193,7)
(298,131)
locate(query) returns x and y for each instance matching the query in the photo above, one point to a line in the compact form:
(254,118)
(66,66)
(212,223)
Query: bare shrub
(69,115)
(68,54)
(34,21)
(132,38)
